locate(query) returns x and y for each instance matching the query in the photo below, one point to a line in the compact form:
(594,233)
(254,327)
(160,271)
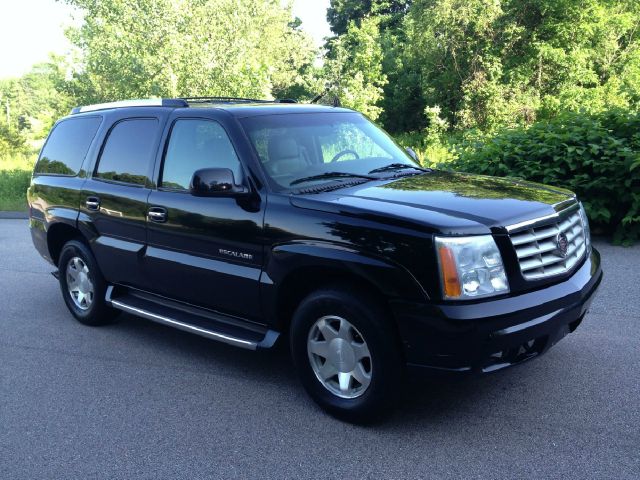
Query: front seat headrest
(283,147)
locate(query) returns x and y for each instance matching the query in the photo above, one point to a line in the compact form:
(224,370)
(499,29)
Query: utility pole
(8,113)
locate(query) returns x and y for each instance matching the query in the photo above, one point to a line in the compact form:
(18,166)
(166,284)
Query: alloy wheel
(79,283)
(339,357)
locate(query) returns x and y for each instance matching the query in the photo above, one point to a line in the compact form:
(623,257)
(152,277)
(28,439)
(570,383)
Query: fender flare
(389,278)
(44,224)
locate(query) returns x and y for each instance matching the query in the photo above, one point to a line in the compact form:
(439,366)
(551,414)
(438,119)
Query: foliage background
(547,90)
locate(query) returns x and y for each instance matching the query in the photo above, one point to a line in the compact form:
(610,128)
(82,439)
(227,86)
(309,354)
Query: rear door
(114,197)
(205,251)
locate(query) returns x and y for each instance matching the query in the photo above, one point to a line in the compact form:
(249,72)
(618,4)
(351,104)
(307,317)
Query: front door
(206,251)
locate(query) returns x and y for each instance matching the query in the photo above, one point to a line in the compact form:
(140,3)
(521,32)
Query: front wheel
(83,286)
(345,351)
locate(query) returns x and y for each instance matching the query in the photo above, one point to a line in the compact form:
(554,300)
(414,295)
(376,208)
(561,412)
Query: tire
(317,354)
(83,286)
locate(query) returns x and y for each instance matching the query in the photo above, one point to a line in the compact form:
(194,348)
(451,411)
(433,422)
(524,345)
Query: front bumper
(490,335)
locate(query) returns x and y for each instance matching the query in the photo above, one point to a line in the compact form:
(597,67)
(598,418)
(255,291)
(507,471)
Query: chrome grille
(537,247)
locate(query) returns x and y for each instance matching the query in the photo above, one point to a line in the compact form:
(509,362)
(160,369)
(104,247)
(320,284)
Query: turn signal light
(450,280)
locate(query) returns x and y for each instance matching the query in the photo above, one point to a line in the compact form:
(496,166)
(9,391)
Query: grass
(15,174)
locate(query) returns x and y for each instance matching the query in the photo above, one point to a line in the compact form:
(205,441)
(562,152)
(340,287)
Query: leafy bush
(597,156)
(13,189)
(15,175)
(432,151)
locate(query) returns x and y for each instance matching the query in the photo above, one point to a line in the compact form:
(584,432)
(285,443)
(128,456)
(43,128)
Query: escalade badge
(233,253)
(562,244)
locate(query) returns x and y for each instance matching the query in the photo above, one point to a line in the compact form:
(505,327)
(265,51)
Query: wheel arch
(296,269)
(58,234)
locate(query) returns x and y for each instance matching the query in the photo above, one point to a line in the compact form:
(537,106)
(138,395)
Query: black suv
(247,221)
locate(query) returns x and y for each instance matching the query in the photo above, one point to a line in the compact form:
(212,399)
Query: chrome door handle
(92,203)
(157,214)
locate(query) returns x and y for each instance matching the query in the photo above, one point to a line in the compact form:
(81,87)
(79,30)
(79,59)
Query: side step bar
(191,319)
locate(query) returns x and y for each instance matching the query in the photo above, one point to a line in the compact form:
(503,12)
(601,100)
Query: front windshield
(306,149)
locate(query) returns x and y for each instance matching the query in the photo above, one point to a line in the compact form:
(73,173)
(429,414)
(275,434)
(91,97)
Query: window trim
(147,179)
(86,154)
(165,148)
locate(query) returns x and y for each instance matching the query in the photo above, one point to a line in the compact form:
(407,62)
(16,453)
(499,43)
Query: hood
(443,202)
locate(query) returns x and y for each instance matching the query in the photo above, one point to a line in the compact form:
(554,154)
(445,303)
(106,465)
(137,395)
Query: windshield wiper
(329,175)
(398,166)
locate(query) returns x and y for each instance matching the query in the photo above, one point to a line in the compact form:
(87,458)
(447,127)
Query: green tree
(401,104)
(299,78)
(35,101)
(342,12)
(10,141)
(194,47)
(492,63)
(354,69)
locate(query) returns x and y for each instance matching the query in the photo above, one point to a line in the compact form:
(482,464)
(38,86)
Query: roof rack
(223,100)
(235,100)
(173,103)
(150,102)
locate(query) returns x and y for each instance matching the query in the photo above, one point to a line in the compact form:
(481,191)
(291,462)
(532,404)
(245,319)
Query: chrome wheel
(79,284)
(339,357)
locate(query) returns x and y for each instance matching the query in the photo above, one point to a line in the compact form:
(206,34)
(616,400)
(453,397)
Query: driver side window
(349,138)
(196,144)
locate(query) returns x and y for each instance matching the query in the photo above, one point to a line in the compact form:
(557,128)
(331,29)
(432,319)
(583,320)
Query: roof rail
(234,100)
(173,103)
(223,100)
(150,102)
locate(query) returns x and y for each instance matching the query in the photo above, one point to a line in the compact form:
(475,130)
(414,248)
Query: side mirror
(412,154)
(215,182)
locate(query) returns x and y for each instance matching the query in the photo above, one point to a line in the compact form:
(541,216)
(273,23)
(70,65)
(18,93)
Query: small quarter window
(196,144)
(128,151)
(67,145)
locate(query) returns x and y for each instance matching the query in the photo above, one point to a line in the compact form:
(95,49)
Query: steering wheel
(343,153)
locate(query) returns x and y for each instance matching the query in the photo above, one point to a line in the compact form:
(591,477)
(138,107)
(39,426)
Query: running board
(205,323)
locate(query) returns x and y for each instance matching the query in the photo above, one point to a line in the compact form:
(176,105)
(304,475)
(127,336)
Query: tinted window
(196,144)
(128,151)
(67,146)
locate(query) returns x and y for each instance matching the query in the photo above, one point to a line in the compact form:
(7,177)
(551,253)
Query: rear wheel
(345,351)
(83,286)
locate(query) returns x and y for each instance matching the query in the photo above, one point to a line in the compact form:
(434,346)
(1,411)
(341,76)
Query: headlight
(585,226)
(470,267)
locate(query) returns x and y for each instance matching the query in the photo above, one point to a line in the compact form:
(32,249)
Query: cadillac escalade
(249,222)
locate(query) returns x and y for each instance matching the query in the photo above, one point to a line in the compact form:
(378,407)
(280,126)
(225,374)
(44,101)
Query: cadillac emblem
(562,244)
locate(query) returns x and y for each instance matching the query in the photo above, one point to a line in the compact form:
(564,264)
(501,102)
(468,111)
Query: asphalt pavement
(140,400)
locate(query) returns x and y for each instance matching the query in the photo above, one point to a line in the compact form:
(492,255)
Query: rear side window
(67,146)
(128,151)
